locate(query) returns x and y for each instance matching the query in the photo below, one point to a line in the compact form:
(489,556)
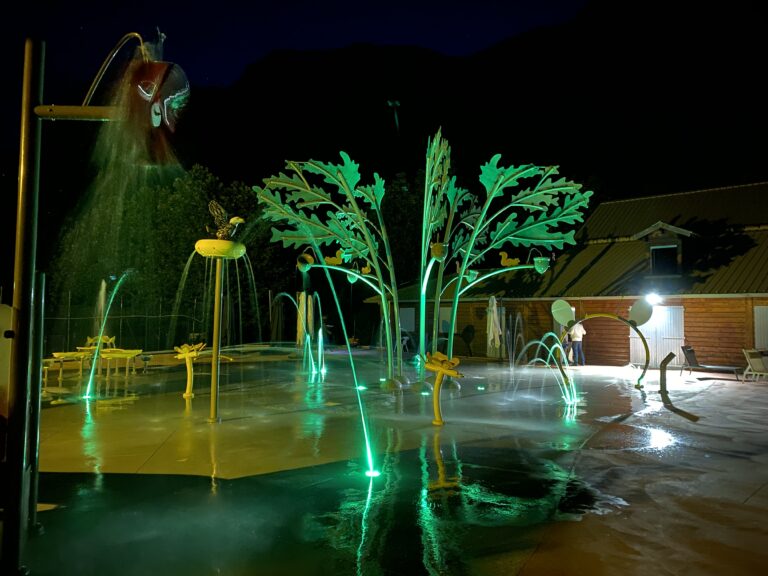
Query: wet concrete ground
(139,482)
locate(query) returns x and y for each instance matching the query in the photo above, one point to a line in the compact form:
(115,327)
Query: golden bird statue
(506,262)
(334,261)
(225,226)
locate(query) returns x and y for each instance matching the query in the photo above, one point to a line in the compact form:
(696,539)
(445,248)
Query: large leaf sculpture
(310,216)
(524,206)
(532,216)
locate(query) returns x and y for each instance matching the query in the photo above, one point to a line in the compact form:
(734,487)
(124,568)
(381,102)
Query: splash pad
(501,468)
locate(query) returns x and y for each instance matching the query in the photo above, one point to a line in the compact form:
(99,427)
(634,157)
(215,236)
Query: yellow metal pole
(190,377)
(96,113)
(438,419)
(23,365)
(215,359)
(442,366)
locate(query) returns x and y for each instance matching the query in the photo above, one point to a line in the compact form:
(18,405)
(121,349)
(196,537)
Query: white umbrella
(493,327)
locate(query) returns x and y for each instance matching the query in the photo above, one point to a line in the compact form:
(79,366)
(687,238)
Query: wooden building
(705,253)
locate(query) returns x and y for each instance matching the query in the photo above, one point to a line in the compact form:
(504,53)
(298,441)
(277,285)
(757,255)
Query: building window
(664,259)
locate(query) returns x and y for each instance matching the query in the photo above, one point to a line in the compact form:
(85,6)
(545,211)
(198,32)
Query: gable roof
(661,226)
(623,269)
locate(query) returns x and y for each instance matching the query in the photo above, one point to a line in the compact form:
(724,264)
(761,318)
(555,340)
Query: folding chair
(756,367)
(692,363)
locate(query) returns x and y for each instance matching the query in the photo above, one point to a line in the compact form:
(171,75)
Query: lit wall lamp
(653,299)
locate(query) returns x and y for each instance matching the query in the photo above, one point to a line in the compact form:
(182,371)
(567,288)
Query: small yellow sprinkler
(188,352)
(442,366)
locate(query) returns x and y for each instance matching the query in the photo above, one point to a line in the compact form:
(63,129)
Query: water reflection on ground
(279,486)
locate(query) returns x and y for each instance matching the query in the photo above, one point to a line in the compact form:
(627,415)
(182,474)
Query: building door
(761,327)
(664,334)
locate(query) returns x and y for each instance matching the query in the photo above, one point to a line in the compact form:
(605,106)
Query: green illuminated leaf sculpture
(311,216)
(524,206)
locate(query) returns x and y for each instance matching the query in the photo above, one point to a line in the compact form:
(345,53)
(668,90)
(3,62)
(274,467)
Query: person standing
(577,336)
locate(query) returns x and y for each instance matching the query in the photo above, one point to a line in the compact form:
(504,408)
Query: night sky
(214,43)
(656,98)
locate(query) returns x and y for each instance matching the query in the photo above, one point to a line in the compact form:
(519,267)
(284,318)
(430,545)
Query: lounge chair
(692,363)
(756,367)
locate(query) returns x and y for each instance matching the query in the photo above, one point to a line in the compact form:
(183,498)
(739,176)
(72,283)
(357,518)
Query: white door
(663,333)
(761,327)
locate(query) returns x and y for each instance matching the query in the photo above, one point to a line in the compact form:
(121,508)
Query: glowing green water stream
(95,359)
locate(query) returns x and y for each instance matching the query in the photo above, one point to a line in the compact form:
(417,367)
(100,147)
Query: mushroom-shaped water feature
(220,248)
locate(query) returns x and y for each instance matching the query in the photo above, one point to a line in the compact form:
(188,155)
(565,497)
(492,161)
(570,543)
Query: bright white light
(653,299)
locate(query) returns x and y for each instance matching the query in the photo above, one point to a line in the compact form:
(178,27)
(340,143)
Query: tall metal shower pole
(21,453)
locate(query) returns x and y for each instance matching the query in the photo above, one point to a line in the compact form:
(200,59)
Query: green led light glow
(97,351)
(371,472)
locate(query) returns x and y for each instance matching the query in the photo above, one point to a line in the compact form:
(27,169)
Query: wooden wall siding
(536,321)
(607,340)
(472,317)
(717,328)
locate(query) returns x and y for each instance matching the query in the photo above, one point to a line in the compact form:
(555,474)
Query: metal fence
(155,329)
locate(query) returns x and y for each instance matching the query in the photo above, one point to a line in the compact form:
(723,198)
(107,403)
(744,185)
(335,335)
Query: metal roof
(622,269)
(727,256)
(696,211)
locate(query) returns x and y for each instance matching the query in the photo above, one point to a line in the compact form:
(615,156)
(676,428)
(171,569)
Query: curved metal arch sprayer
(108,60)
(634,327)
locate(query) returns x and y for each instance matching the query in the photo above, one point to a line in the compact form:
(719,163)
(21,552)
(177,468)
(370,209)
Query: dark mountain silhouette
(661,99)
(631,100)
